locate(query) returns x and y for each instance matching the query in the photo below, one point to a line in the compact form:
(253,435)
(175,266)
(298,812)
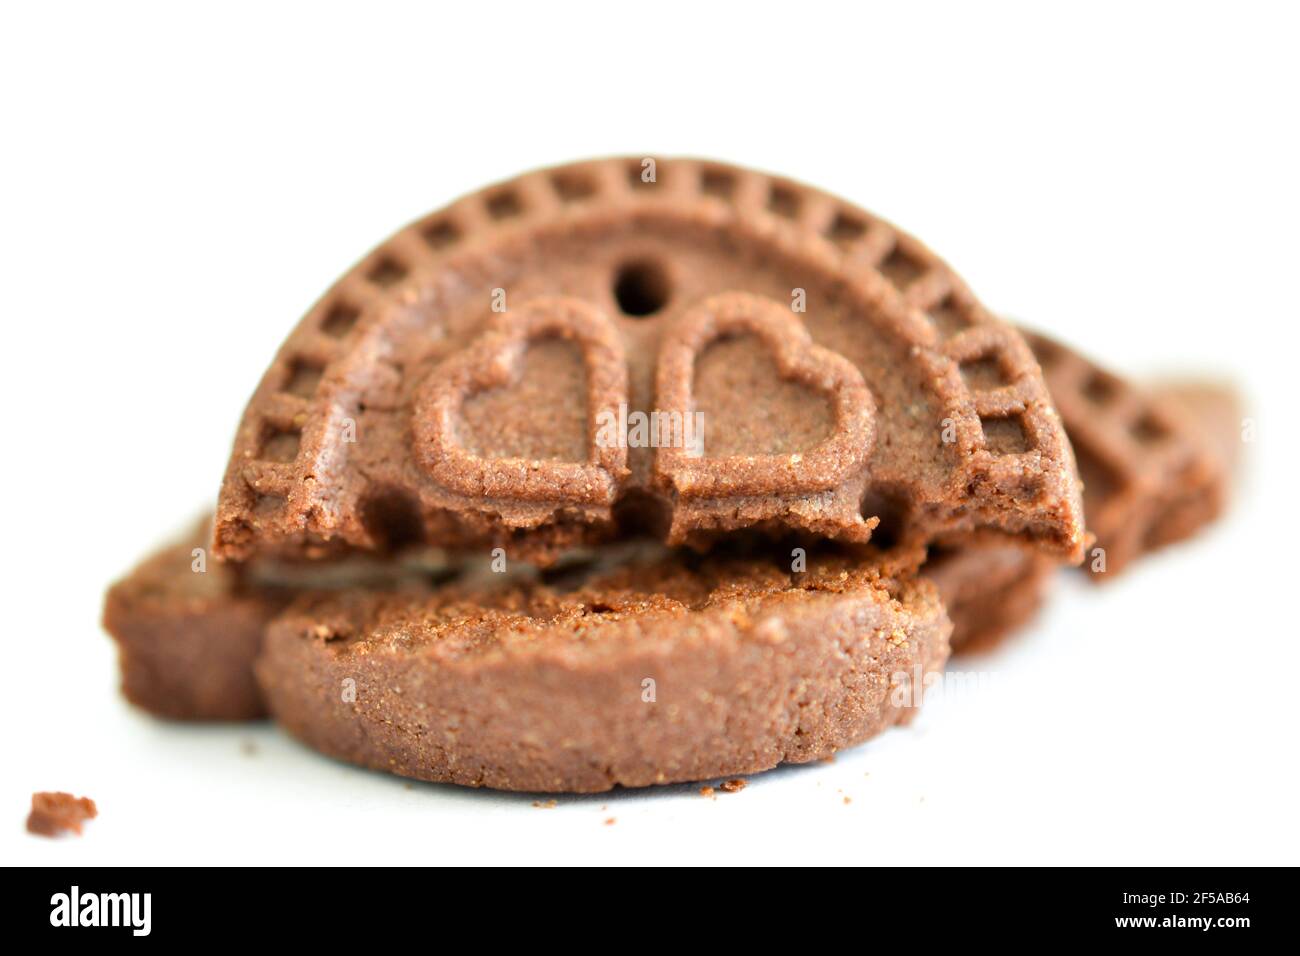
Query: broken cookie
(680,346)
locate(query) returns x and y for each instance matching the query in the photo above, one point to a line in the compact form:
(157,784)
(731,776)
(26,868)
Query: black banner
(214,905)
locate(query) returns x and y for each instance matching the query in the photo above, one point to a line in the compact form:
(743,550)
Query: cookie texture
(682,347)
(188,630)
(989,591)
(659,669)
(186,639)
(1156,468)
(992,590)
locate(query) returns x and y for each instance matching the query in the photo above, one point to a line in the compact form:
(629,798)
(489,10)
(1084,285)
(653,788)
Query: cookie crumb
(609,821)
(735,786)
(830,758)
(848,800)
(706,791)
(55,812)
(545,804)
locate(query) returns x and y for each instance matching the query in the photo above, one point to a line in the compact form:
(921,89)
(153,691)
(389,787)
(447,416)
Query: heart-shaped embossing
(820,468)
(493,362)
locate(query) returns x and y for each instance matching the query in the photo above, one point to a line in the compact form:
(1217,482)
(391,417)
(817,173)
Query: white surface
(178,188)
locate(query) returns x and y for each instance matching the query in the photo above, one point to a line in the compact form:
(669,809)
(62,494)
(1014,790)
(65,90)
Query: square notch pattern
(280,445)
(901,269)
(719,183)
(846,228)
(783,200)
(1005,434)
(1102,389)
(267,505)
(386,272)
(948,317)
(504,204)
(984,373)
(573,186)
(440,234)
(303,378)
(1147,429)
(340,319)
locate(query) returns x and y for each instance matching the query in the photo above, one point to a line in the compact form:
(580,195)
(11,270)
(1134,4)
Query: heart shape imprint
(821,468)
(492,362)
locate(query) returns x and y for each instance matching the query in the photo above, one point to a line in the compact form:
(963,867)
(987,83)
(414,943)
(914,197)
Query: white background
(177,188)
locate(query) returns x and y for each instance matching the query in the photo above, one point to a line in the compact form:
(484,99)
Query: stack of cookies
(635,472)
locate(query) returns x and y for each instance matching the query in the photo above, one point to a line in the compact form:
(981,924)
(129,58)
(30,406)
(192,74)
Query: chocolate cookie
(667,668)
(187,629)
(682,346)
(1153,468)
(186,638)
(989,591)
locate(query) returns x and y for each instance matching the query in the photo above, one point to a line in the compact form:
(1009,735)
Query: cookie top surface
(688,346)
(637,594)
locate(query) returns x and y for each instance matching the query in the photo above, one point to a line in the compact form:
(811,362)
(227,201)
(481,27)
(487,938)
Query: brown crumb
(706,791)
(545,804)
(848,799)
(609,822)
(828,759)
(735,786)
(55,813)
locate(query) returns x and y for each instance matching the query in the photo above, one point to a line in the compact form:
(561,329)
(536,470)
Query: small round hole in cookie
(641,288)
